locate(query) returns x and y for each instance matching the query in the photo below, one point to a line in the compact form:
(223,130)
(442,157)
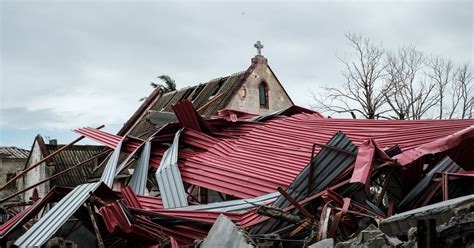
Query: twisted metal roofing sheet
(169,179)
(235,205)
(13,152)
(47,226)
(271,154)
(327,165)
(140,174)
(110,169)
(445,165)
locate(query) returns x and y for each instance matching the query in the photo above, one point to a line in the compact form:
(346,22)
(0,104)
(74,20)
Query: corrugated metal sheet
(436,146)
(160,119)
(25,215)
(368,152)
(13,152)
(47,226)
(169,179)
(189,118)
(110,169)
(272,154)
(284,112)
(445,165)
(327,165)
(110,140)
(70,157)
(253,158)
(140,174)
(235,205)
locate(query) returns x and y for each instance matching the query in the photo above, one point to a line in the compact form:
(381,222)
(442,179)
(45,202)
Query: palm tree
(168,86)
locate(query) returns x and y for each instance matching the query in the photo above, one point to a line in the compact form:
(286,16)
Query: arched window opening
(263,95)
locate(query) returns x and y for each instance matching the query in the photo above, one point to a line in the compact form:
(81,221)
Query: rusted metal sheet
(70,157)
(13,152)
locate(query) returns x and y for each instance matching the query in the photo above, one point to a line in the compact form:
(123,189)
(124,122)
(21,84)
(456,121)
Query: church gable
(261,93)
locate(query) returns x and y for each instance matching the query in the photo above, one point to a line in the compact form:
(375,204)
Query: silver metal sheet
(235,205)
(445,165)
(50,223)
(169,178)
(140,174)
(110,169)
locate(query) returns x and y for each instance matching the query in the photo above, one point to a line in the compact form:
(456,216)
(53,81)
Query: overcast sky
(67,65)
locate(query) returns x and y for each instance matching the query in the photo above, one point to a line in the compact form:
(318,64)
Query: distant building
(256,90)
(69,157)
(12,159)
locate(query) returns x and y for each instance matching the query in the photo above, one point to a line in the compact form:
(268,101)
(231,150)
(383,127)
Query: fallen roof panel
(270,154)
(45,228)
(235,205)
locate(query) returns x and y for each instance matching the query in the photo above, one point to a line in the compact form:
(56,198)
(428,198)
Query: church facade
(256,90)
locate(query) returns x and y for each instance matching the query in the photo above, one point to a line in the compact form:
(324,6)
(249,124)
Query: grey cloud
(23,118)
(53,48)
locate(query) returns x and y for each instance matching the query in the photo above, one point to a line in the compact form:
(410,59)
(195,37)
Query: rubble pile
(289,179)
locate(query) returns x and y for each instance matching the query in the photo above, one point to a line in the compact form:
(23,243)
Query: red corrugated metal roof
(270,154)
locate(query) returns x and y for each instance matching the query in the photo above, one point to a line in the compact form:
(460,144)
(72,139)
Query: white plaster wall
(37,174)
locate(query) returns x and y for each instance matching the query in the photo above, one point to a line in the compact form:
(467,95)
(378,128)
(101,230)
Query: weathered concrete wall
(8,169)
(247,97)
(37,174)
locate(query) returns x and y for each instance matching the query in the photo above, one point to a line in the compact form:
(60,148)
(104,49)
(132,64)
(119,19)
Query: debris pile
(289,179)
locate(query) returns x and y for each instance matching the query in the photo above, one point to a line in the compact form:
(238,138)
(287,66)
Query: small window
(263,95)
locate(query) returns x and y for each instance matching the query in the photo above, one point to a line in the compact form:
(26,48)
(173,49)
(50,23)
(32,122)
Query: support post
(311,170)
(445,186)
(338,217)
(337,149)
(100,242)
(295,203)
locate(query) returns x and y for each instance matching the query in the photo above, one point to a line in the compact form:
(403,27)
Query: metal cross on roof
(259,47)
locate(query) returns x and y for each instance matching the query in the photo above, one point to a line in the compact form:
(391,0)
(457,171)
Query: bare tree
(361,92)
(462,93)
(441,73)
(407,92)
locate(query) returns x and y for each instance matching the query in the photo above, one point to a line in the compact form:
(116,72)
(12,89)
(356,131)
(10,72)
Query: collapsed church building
(234,163)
